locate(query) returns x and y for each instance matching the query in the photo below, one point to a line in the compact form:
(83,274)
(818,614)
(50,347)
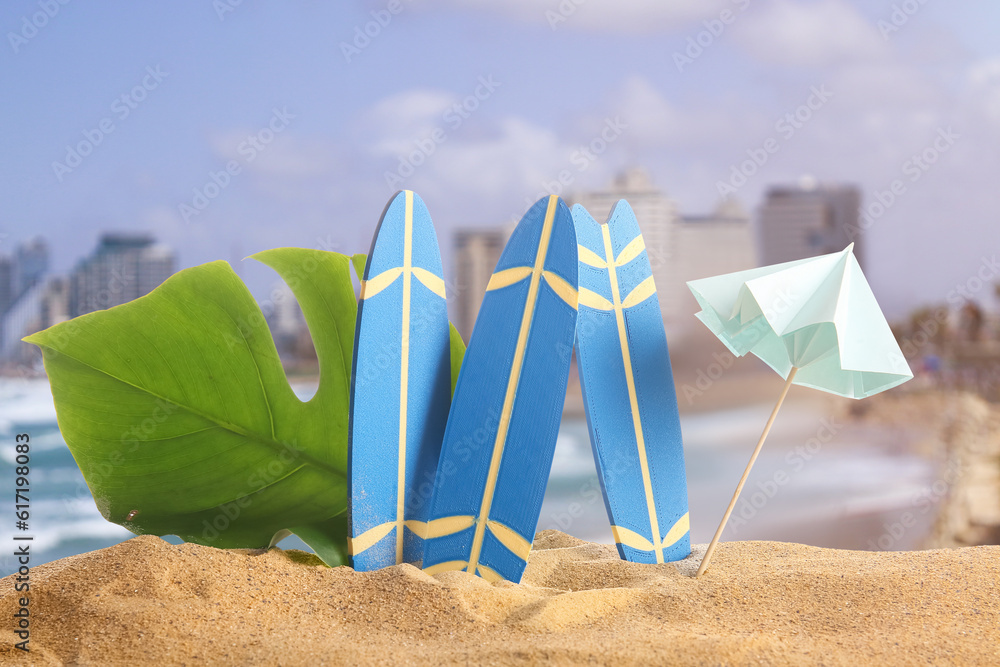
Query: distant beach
(823,479)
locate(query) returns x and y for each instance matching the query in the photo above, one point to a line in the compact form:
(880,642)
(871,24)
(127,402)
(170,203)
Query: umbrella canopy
(817,315)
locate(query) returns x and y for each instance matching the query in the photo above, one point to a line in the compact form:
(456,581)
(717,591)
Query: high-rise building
(709,245)
(44,304)
(808,219)
(477,252)
(6,283)
(55,302)
(124,267)
(23,317)
(25,269)
(680,248)
(656,213)
(22,288)
(31,261)
(285,318)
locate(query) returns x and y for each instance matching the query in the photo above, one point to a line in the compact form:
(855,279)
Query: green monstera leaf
(180,416)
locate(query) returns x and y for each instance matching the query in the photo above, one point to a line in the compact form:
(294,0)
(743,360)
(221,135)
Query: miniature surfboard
(508,403)
(401,388)
(628,390)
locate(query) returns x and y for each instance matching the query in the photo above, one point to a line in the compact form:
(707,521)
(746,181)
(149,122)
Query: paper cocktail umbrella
(814,321)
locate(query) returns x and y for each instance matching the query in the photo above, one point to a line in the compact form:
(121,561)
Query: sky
(229,127)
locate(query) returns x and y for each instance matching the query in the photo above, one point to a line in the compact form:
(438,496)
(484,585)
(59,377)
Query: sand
(147,602)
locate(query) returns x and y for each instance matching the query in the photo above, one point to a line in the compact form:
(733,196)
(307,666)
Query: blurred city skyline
(226,128)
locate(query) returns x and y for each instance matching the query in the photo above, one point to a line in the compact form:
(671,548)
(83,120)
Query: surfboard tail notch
(628,390)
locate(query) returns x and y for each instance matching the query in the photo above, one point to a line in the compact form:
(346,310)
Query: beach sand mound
(148,602)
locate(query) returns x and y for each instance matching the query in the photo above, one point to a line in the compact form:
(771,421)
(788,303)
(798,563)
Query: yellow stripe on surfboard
(642,291)
(404,374)
(446,566)
(590,258)
(511,539)
(448,525)
(512,382)
(508,277)
(430,281)
(563,289)
(631,251)
(370,288)
(367,539)
(647,482)
(677,531)
(559,285)
(426,530)
(630,538)
(594,300)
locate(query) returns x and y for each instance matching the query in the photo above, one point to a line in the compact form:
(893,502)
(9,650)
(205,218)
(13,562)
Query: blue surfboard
(628,390)
(400,389)
(508,402)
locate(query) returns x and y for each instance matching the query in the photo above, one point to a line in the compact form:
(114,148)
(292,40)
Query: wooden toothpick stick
(746,473)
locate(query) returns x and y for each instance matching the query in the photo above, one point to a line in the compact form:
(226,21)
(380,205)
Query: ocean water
(816,482)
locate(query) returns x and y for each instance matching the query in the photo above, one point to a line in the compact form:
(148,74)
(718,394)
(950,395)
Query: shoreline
(961,432)
(899,424)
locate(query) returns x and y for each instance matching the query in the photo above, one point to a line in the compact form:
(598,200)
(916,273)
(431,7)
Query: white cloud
(984,83)
(656,122)
(623,16)
(289,166)
(169,227)
(808,34)
(877,85)
(404,116)
(473,157)
(516,157)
